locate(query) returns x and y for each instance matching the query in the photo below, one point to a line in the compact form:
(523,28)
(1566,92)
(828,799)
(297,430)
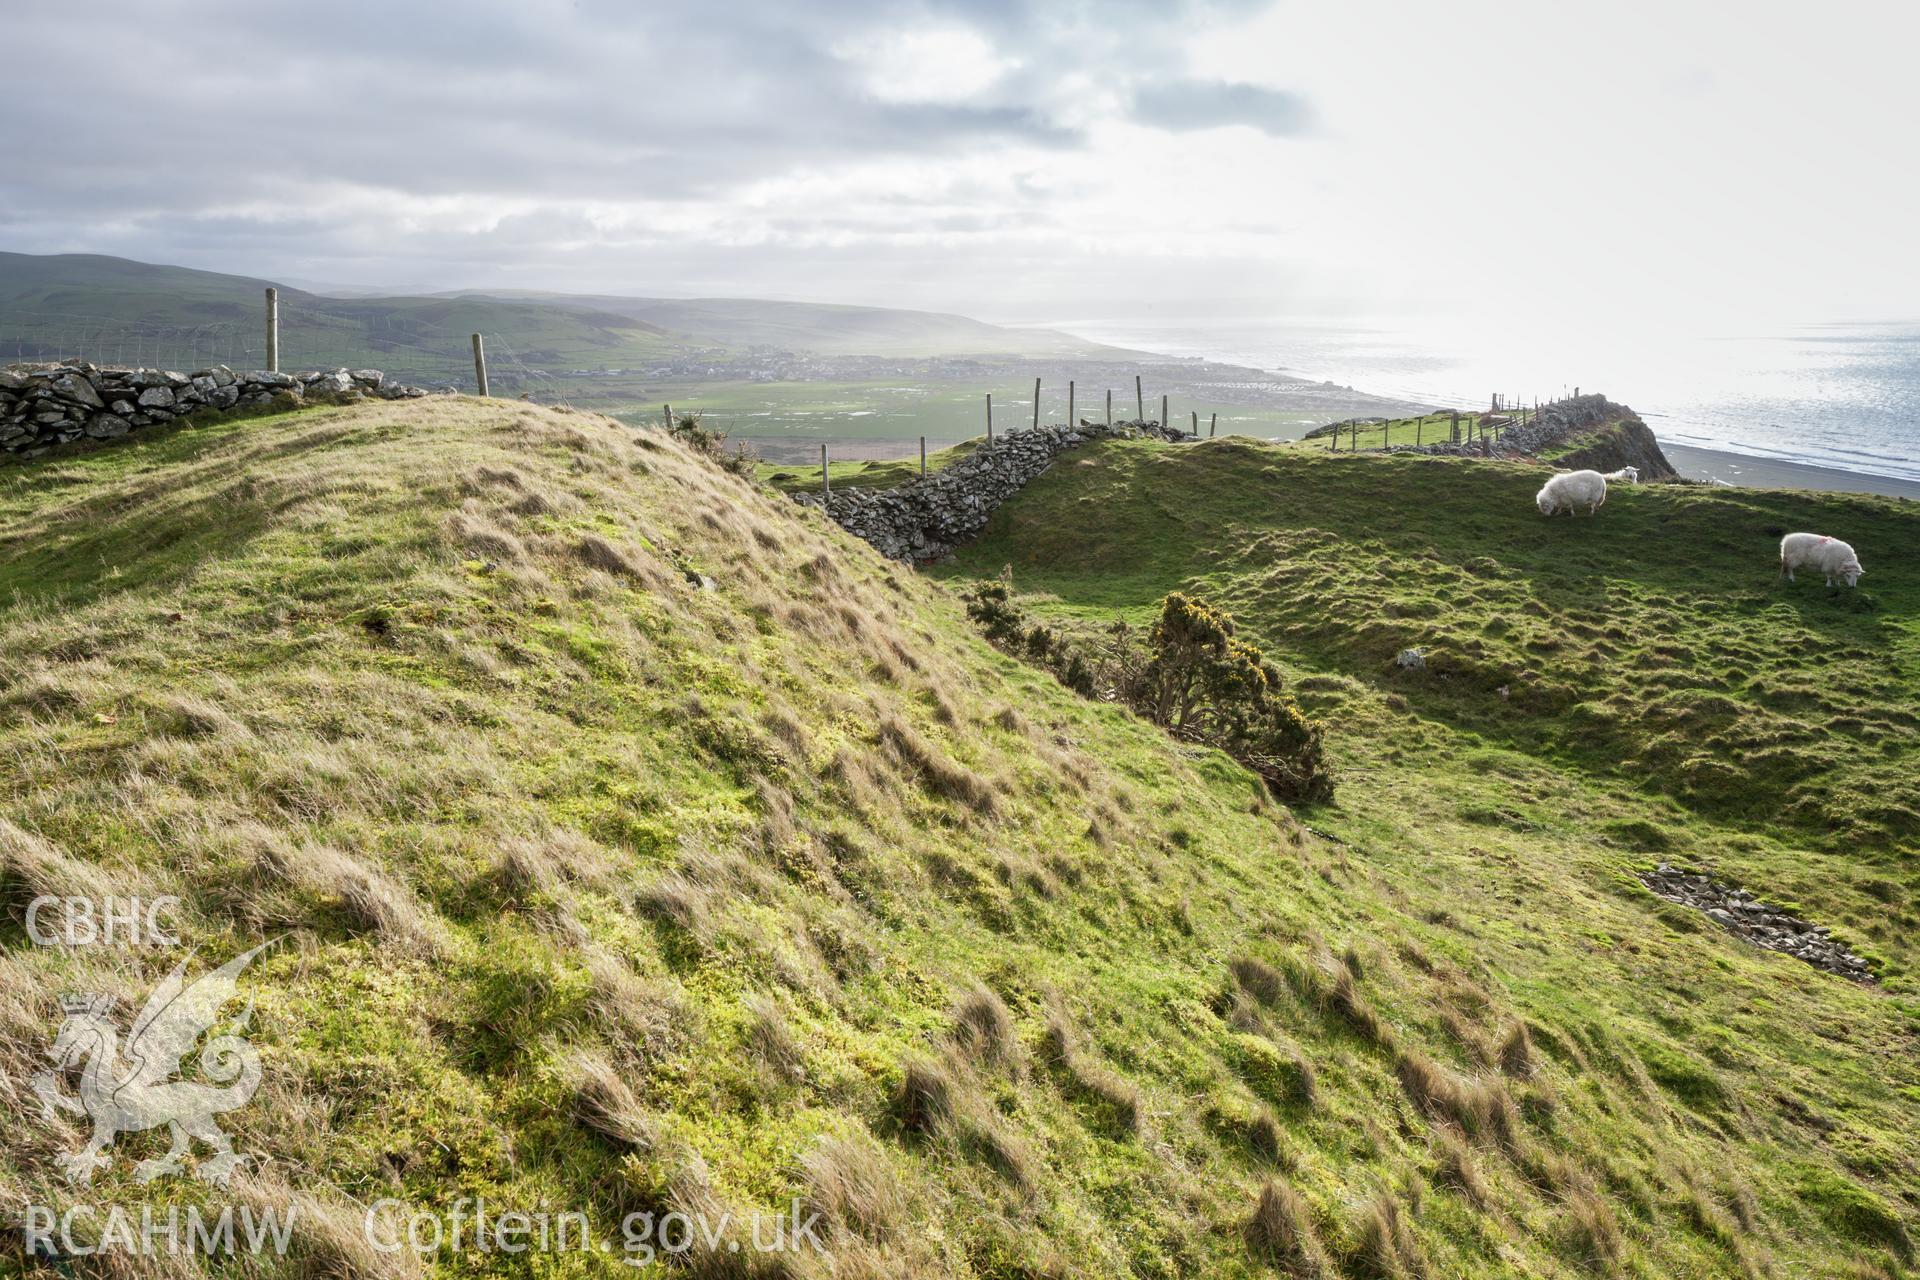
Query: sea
(1840,395)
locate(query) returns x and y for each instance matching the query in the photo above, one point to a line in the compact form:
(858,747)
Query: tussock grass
(577,862)
(365,898)
(1280,1232)
(1456,1167)
(772,1040)
(329,1240)
(926,1097)
(1259,979)
(1385,1245)
(944,776)
(1516,1051)
(1344,999)
(1088,1080)
(983,1027)
(604,1103)
(852,1183)
(1592,1233)
(31,867)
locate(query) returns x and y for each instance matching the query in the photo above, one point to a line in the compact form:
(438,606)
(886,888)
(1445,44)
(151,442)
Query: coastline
(1748,472)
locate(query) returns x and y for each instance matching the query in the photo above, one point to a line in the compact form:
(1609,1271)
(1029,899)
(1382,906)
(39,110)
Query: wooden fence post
(1139,404)
(480,365)
(1196,424)
(1386,429)
(666,411)
(1070,422)
(1418,429)
(923,457)
(989,417)
(1164,424)
(1109,406)
(273,331)
(1213,425)
(826,486)
(1036,404)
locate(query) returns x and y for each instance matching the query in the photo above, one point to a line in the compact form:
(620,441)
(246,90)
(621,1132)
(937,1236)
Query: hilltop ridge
(36,291)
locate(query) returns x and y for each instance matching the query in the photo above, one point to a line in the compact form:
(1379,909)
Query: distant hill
(824,328)
(113,309)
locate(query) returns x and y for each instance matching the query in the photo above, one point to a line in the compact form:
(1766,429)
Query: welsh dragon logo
(135,1091)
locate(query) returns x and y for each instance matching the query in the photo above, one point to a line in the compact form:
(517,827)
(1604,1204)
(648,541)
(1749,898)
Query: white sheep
(1625,475)
(1571,490)
(1830,556)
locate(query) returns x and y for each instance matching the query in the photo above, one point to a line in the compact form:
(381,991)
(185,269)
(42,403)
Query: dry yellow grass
(638,841)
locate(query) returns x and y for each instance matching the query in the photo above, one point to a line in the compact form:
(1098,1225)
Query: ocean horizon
(1842,395)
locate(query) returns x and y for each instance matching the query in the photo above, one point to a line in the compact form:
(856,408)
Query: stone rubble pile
(45,406)
(1740,913)
(924,520)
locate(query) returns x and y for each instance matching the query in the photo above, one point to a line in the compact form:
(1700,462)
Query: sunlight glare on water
(1836,395)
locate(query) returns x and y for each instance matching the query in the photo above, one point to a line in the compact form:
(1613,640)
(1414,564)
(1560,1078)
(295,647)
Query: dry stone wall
(926,519)
(46,407)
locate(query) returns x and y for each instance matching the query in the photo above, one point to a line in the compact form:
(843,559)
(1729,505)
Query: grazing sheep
(1625,475)
(1830,556)
(1571,490)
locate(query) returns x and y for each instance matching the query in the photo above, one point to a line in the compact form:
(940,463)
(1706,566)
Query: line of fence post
(480,366)
(273,331)
(1036,404)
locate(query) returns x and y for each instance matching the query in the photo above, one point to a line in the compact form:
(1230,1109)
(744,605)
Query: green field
(1432,428)
(800,414)
(882,474)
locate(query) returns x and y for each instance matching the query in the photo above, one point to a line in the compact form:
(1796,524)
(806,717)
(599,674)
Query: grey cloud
(1212,104)
(176,121)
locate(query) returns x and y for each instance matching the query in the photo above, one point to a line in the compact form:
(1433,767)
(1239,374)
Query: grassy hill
(638,841)
(829,329)
(1597,696)
(117,310)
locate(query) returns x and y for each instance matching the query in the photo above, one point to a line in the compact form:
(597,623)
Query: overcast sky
(1007,158)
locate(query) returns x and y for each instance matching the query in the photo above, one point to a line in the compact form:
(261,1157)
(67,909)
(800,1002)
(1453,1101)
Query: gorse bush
(1188,674)
(1204,685)
(691,430)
